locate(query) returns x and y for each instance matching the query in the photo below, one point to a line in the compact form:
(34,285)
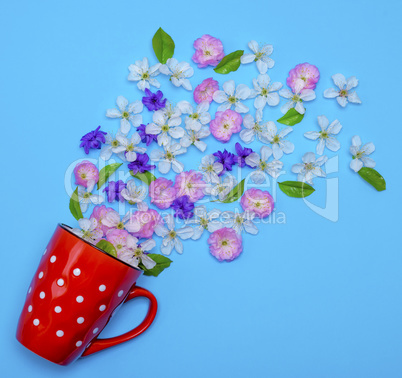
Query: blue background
(309,298)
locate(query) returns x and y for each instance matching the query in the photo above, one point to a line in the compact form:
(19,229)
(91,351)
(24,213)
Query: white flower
(112,219)
(178,72)
(165,128)
(254,160)
(231,96)
(133,193)
(310,168)
(296,99)
(195,119)
(135,255)
(85,196)
(210,168)
(279,145)
(360,154)
(171,236)
(254,128)
(171,111)
(167,159)
(343,95)
(194,137)
(221,187)
(265,92)
(127,113)
(204,221)
(143,74)
(325,136)
(130,147)
(260,56)
(88,230)
(112,145)
(241,222)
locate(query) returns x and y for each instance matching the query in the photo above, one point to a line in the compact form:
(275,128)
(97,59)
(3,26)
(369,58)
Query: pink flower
(147,220)
(86,172)
(306,72)
(99,213)
(225,244)
(205,90)
(225,124)
(208,51)
(162,193)
(119,240)
(190,183)
(257,201)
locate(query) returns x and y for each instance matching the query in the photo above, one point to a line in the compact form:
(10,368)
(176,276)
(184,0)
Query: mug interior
(70,230)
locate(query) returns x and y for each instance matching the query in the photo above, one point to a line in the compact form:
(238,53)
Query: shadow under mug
(75,291)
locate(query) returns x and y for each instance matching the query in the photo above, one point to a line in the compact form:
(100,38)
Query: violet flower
(242,153)
(153,101)
(183,207)
(146,138)
(114,189)
(227,159)
(93,139)
(140,165)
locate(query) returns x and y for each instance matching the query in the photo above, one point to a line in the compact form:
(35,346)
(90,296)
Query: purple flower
(227,159)
(140,165)
(183,207)
(153,101)
(93,139)
(242,153)
(146,138)
(114,189)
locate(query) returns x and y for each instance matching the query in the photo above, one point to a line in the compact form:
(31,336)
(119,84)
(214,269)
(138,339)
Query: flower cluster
(172,129)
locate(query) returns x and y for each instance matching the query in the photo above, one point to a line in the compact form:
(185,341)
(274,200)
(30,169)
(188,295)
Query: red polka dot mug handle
(100,344)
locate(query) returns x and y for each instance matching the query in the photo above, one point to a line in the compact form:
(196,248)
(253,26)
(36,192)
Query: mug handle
(136,291)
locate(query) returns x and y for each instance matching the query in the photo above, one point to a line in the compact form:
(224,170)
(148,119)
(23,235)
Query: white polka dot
(79,299)
(60,282)
(95,330)
(80,320)
(76,272)
(53,259)
(102,288)
(60,333)
(29,290)
(45,251)
(29,308)
(36,322)
(57,309)
(40,275)
(42,294)
(78,343)
(120,293)
(102,308)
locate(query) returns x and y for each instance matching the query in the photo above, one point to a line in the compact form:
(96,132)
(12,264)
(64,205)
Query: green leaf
(235,193)
(163,45)
(373,178)
(146,177)
(296,189)
(75,207)
(229,63)
(106,172)
(291,118)
(108,247)
(162,262)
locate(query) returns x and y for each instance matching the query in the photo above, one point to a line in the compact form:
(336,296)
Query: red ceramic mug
(74,293)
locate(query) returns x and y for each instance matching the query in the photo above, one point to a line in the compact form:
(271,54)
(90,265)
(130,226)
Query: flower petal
(356,165)
(229,87)
(339,80)
(220,97)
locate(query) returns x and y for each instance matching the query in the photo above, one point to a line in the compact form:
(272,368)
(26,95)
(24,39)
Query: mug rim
(69,230)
